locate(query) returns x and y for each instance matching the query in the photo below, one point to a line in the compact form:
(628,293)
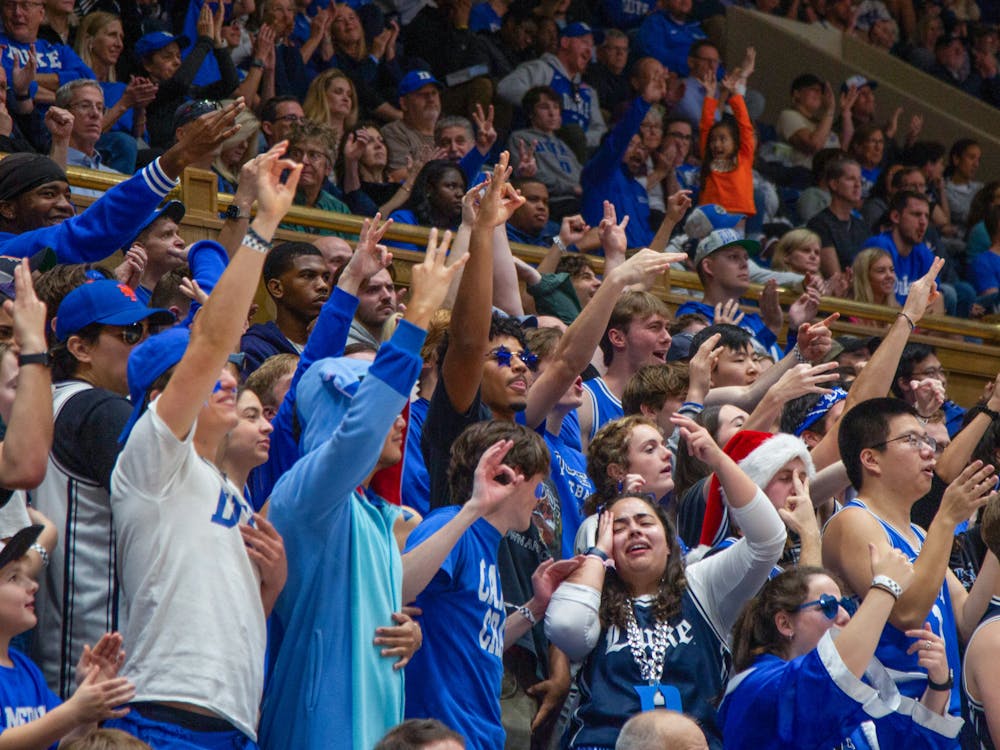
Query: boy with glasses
(96,327)
(922,382)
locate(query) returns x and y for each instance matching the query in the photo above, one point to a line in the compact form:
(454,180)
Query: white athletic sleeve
(572,621)
(725,581)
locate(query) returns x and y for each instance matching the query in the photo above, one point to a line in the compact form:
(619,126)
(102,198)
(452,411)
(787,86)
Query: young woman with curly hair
(649,631)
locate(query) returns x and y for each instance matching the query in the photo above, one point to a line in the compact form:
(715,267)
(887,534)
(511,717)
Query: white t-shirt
(790,122)
(196,631)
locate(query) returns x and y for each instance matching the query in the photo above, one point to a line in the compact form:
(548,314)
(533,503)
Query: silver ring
(927,645)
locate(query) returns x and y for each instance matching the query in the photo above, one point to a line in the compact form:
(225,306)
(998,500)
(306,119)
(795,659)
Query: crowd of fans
(517,506)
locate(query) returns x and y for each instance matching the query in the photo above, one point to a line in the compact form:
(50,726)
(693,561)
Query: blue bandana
(825,403)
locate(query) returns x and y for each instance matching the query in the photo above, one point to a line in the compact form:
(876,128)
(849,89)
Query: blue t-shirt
(455,676)
(24,696)
(908,268)
(416,484)
(484,18)
(986,271)
(568,472)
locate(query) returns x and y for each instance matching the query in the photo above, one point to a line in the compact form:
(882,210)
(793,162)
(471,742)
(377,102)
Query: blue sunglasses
(503,357)
(829,605)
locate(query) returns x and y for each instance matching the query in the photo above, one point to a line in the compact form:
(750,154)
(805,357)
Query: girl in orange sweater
(727,146)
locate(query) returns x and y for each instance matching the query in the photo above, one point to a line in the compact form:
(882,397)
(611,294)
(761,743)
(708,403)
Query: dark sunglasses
(829,605)
(132,333)
(502,355)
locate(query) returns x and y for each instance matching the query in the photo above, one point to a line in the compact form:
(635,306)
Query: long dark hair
(616,598)
(428,178)
(729,123)
(755,631)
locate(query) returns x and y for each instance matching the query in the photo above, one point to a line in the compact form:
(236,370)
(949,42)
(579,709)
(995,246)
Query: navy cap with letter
(157,40)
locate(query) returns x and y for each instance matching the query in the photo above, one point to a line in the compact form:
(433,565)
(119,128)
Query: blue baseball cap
(706,219)
(157,40)
(416,80)
(173,210)
(147,362)
(575,30)
(107,301)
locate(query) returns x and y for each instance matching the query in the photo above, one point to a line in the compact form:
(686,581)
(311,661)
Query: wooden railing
(970,364)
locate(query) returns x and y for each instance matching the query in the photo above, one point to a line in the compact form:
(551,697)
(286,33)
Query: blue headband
(819,410)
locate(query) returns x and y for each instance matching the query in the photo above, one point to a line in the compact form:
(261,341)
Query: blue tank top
(910,678)
(697,663)
(606,405)
(577,99)
(976,711)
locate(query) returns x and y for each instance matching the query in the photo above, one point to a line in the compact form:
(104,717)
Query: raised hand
(728,312)
(193,291)
(354,145)
(470,203)
(612,234)
(701,365)
(572,229)
(140,92)
(678,203)
(370,256)
(798,513)
(59,122)
(645,266)
(815,340)
(205,26)
(931,654)
(805,308)
(605,532)
(431,279)
(486,134)
(928,395)
(27,311)
(22,76)
(803,379)
(129,271)
(493,481)
(770,306)
(923,291)
(107,655)
(501,200)
(749,63)
(700,443)
(848,98)
(527,166)
(547,577)
(201,137)
(970,491)
(274,197)
(400,640)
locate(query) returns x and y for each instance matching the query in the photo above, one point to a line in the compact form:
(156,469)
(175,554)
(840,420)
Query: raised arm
(876,382)
(958,453)
(217,330)
(24,451)
(470,320)
(577,345)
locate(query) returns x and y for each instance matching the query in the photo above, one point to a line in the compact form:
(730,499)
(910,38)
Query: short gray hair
(454,122)
(64,96)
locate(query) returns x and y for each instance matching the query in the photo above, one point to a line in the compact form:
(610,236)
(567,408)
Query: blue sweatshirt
(605,177)
(668,41)
(330,688)
(106,225)
(328,339)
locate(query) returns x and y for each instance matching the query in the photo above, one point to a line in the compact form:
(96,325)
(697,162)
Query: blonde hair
(92,25)
(861,285)
(790,242)
(106,739)
(317,106)
(249,128)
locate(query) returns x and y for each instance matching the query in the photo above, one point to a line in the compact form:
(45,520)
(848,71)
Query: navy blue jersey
(910,678)
(976,711)
(697,663)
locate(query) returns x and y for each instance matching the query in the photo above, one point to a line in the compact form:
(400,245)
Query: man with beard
(420,100)
(376,304)
(298,281)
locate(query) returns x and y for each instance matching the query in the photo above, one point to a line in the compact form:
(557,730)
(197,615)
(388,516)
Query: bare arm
(216,330)
(506,292)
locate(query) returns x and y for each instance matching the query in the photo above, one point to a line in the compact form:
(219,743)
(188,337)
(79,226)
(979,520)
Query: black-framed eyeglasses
(132,333)
(913,441)
(829,605)
(290,118)
(503,357)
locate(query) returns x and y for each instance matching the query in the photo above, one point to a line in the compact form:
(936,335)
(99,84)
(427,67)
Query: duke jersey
(697,663)
(605,405)
(976,710)
(577,99)
(910,678)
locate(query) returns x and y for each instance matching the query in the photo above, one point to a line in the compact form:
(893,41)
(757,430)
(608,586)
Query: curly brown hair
(610,446)
(616,598)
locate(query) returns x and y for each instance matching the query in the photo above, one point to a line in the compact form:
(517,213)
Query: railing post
(199,191)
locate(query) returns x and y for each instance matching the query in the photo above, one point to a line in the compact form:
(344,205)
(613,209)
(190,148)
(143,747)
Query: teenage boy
(193,557)
(919,362)
(298,282)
